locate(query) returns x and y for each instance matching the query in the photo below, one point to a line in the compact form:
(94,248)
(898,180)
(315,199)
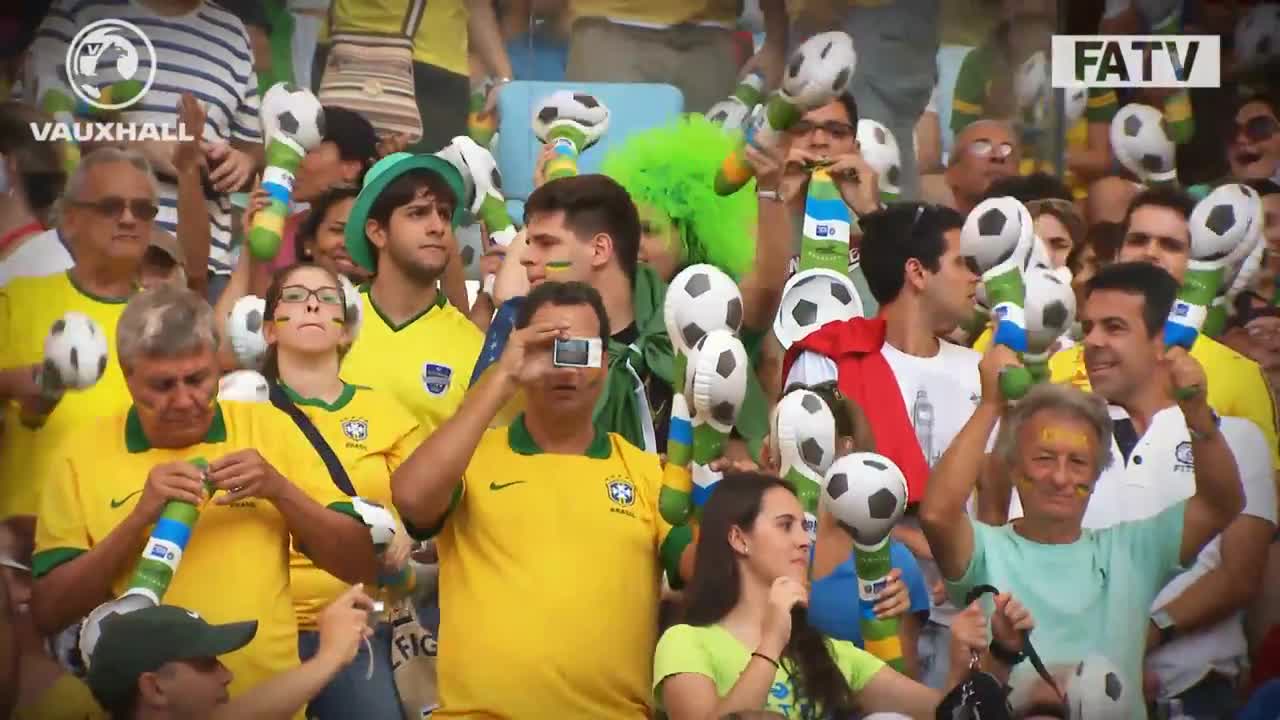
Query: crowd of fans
(1123,513)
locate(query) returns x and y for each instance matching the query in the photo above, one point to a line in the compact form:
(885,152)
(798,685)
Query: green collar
(439,303)
(348,392)
(522,442)
(99,298)
(135,440)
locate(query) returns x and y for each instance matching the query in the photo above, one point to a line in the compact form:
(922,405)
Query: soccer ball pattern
(994,230)
(880,149)
(1257,38)
(381,524)
(701,298)
(819,70)
(577,109)
(1050,306)
(729,114)
(867,494)
(292,112)
(1075,103)
(1222,222)
(1096,690)
(811,299)
(243,386)
(1031,82)
(244,331)
(1142,144)
(355,307)
(477,166)
(716,379)
(75,351)
(803,430)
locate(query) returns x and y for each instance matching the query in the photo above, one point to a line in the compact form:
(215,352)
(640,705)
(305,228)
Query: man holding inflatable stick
(118,475)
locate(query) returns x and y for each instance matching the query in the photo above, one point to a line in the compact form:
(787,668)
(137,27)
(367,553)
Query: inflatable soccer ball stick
(1178,117)
(482,183)
(292,124)
(998,234)
(1242,265)
(570,123)
(1051,311)
(715,385)
(75,358)
(866,494)
(828,222)
(1140,138)
(733,111)
(804,439)
(817,72)
(481,125)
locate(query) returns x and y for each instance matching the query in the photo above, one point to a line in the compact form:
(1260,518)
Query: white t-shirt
(37,256)
(940,393)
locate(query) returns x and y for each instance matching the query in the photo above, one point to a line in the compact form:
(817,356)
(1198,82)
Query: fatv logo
(1136,61)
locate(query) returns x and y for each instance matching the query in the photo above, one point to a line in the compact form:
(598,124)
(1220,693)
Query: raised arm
(942,514)
(762,286)
(1219,496)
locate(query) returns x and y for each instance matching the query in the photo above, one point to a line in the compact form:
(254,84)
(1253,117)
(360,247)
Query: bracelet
(768,195)
(1004,655)
(766,658)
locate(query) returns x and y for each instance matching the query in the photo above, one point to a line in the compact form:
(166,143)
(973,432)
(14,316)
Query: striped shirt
(205,52)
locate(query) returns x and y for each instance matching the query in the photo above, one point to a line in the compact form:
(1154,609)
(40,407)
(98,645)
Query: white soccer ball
(354,307)
(381,523)
(1222,222)
(729,114)
(1075,102)
(575,109)
(478,168)
(866,493)
(1244,264)
(811,299)
(819,70)
(293,112)
(880,149)
(244,386)
(701,298)
(75,351)
(1096,690)
(1141,143)
(994,230)
(1031,82)
(1258,35)
(244,331)
(716,379)
(803,431)
(1050,306)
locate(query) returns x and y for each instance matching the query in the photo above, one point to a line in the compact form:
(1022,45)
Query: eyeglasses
(1259,128)
(113,207)
(985,148)
(295,294)
(836,129)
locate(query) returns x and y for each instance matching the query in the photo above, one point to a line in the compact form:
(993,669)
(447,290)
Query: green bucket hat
(377,179)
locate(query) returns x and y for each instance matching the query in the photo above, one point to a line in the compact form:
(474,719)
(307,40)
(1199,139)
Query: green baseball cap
(144,640)
(377,179)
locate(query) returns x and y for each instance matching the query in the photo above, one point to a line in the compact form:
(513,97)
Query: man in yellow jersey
(113,477)
(548,531)
(685,43)
(440,31)
(1156,232)
(412,343)
(108,211)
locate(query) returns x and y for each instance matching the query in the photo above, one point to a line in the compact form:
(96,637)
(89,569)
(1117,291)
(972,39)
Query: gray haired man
(257,482)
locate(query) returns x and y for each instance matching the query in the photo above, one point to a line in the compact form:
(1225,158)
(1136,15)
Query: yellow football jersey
(1237,386)
(425,363)
(438,27)
(28,309)
(576,543)
(657,12)
(236,564)
(371,434)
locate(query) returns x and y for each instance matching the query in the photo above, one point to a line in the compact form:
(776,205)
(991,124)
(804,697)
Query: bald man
(983,152)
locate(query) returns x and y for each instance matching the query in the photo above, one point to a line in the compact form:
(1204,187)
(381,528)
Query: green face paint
(558,266)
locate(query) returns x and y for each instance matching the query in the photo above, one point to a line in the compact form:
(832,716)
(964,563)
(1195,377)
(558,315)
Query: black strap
(1027,648)
(337,473)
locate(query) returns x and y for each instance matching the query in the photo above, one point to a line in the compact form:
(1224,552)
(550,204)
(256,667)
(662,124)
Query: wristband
(1004,655)
(768,195)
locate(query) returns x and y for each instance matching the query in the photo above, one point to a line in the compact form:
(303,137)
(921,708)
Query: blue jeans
(350,694)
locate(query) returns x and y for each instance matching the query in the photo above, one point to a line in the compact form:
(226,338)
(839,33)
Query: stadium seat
(632,107)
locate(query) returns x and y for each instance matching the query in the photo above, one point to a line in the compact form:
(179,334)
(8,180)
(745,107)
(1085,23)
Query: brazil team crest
(356,429)
(436,378)
(622,492)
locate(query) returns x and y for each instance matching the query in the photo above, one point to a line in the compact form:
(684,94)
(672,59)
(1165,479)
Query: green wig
(673,168)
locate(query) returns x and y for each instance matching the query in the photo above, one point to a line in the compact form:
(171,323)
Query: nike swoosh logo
(497,486)
(117,503)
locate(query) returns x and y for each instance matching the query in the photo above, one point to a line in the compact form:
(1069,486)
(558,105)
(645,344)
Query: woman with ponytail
(747,644)
(307,331)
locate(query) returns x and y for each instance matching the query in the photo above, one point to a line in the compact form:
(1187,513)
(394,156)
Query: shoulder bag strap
(336,472)
(1027,648)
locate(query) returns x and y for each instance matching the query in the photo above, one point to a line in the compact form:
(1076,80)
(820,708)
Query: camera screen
(572,352)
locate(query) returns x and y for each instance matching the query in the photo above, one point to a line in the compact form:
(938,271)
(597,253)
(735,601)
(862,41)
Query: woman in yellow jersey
(371,434)
(748,645)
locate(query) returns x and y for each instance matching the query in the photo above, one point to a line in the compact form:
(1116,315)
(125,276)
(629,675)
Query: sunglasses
(113,207)
(327,295)
(835,128)
(1259,128)
(986,148)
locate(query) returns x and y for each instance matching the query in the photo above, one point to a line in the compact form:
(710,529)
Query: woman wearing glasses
(1253,143)
(306,329)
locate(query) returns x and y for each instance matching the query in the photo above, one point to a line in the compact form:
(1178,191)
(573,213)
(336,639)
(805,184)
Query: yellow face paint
(558,266)
(1083,491)
(1070,438)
